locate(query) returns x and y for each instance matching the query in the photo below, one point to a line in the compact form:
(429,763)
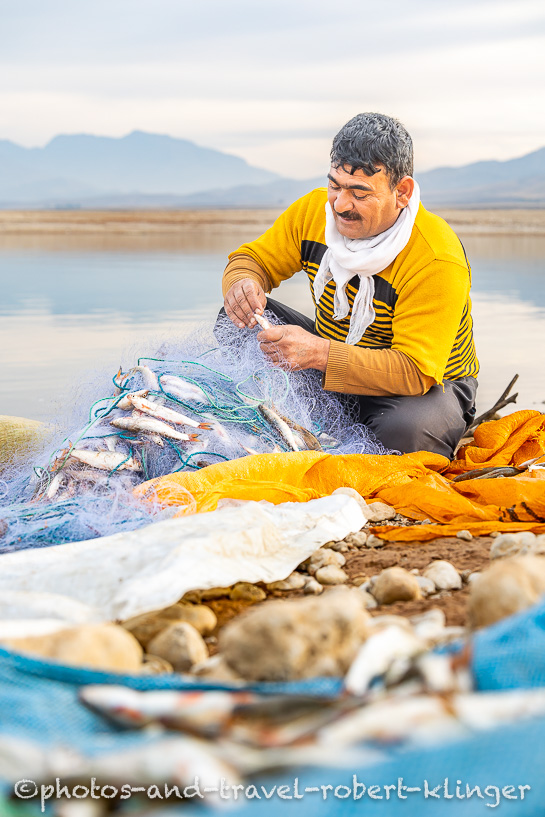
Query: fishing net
(120,431)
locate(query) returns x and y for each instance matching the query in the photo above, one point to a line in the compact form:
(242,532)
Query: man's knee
(428,423)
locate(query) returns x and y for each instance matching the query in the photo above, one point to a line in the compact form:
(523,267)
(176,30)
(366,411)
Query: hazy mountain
(148,170)
(73,168)
(514,183)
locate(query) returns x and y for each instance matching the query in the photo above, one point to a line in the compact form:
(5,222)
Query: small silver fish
(150,425)
(163,413)
(104,460)
(263,322)
(279,425)
(180,388)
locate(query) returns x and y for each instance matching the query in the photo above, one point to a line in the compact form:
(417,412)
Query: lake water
(72,306)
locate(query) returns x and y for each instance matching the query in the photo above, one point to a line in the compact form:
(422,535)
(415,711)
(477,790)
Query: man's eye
(361,198)
(333,185)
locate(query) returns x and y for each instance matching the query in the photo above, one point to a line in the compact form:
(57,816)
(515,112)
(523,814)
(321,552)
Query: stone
(215,593)
(106,647)
(295,581)
(473,577)
(379,512)
(395,584)
(516,544)
(465,535)
(244,591)
(323,557)
(381,622)
(506,587)
(427,587)
(215,668)
(312,587)
(331,574)
(285,640)
(153,665)
(339,547)
(357,581)
(444,575)
(181,645)
(145,627)
(375,541)
(354,494)
(369,601)
(192,597)
(430,625)
(358,539)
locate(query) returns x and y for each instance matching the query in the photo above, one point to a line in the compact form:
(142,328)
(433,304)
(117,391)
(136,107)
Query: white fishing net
(119,431)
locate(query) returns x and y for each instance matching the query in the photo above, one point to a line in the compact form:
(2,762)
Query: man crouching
(390,283)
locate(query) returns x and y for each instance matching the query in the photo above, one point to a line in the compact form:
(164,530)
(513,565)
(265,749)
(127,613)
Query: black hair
(372,139)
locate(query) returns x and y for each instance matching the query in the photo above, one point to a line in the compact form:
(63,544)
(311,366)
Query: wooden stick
(502,401)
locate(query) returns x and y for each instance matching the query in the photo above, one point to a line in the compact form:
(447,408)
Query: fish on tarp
(150,425)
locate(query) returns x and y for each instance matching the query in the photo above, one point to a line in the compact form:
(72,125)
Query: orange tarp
(418,485)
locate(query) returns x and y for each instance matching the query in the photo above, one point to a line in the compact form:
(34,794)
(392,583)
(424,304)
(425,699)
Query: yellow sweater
(421,300)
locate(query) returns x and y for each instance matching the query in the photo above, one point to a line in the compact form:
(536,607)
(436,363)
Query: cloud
(273,81)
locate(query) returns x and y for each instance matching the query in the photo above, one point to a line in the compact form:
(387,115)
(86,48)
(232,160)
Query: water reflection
(76,303)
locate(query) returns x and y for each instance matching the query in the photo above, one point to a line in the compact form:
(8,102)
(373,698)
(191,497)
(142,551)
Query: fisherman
(390,283)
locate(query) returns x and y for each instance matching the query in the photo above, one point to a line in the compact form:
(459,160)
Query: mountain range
(146,170)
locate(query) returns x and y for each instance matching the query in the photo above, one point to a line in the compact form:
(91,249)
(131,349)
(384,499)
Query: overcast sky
(273,80)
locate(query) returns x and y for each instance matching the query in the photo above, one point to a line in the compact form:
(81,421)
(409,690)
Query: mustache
(349,215)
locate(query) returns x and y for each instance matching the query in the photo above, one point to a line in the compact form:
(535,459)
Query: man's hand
(243,299)
(295,348)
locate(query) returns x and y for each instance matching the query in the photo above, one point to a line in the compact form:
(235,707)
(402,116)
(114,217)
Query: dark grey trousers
(435,421)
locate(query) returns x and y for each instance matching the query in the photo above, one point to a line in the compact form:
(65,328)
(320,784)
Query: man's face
(364,206)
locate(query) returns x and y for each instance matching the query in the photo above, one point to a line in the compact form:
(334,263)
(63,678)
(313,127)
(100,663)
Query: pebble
(427,586)
(331,574)
(147,626)
(295,581)
(375,541)
(215,668)
(106,647)
(369,601)
(354,494)
(473,577)
(214,593)
(395,584)
(465,535)
(506,587)
(181,645)
(358,539)
(444,575)
(517,544)
(285,640)
(192,597)
(379,512)
(153,665)
(357,581)
(244,591)
(312,587)
(323,557)
(340,547)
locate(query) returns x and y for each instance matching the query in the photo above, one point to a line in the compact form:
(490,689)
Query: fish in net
(208,397)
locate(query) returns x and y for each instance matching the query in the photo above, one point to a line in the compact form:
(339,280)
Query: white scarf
(364,257)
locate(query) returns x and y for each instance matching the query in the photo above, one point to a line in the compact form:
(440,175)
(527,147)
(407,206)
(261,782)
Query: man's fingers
(272,335)
(255,297)
(235,313)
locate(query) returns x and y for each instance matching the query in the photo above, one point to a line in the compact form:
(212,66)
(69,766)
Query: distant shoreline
(15,223)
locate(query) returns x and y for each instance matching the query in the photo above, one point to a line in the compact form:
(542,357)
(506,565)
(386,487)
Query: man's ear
(404,190)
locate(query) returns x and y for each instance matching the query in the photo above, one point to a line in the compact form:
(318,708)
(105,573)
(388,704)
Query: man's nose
(343,201)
